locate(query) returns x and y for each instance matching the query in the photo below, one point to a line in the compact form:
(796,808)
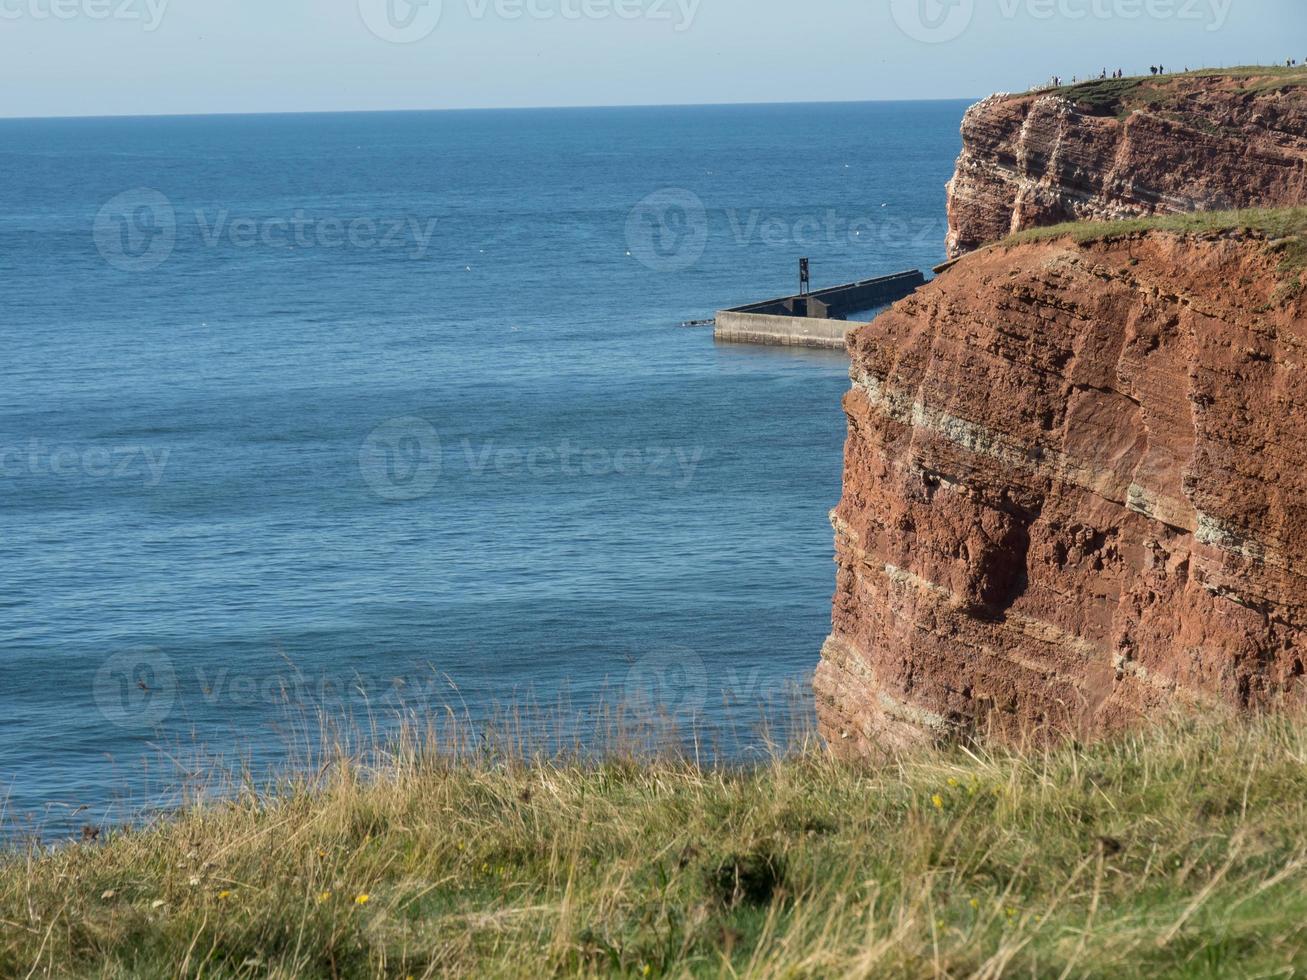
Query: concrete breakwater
(817,319)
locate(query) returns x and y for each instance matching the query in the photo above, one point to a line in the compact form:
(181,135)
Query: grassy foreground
(1179,852)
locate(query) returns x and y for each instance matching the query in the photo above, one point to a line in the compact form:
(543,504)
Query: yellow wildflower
(362,899)
(938,801)
(224,895)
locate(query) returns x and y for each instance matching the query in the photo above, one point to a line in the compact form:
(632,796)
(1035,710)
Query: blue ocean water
(303,410)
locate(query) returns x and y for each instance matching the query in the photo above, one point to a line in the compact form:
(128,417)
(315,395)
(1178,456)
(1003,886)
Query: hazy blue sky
(92,57)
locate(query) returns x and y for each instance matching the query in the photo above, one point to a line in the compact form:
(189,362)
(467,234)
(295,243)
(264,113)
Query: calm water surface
(314,412)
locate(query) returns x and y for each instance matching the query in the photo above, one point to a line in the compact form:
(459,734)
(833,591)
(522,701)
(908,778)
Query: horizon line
(522,108)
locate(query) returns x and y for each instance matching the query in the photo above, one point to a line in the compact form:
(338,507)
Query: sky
(149,57)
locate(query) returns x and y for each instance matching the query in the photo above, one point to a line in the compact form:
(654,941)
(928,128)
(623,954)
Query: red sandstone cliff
(1075,492)
(1121,148)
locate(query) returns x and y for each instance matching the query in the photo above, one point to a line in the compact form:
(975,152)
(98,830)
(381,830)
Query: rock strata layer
(1075,494)
(1125,148)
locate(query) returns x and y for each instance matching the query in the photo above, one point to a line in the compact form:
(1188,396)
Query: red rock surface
(1121,149)
(1075,494)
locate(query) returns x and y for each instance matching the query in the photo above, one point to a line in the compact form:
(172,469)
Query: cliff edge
(1106,150)
(1075,488)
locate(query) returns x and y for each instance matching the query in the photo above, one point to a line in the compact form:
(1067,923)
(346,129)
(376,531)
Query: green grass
(1178,852)
(1273,224)
(1283,230)
(1168,93)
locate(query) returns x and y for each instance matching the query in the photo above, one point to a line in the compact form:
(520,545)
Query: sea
(345,422)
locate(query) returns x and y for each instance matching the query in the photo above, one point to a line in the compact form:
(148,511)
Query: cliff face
(1131,147)
(1075,493)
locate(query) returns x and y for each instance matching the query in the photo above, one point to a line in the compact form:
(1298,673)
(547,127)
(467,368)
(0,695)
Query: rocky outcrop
(1122,148)
(1075,493)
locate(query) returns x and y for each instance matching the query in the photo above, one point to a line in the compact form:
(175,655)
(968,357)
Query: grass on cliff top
(1273,224)
(1283,229)
(1180,852)
(1120,96)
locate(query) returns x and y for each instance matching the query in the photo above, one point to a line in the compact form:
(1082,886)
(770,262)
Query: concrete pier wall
(784,331)
(815,320)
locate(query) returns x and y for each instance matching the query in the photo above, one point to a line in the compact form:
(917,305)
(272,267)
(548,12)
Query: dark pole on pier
(804,281)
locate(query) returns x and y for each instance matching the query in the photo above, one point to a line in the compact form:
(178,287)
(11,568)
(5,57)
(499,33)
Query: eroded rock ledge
(1130,147)
(1075,493)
